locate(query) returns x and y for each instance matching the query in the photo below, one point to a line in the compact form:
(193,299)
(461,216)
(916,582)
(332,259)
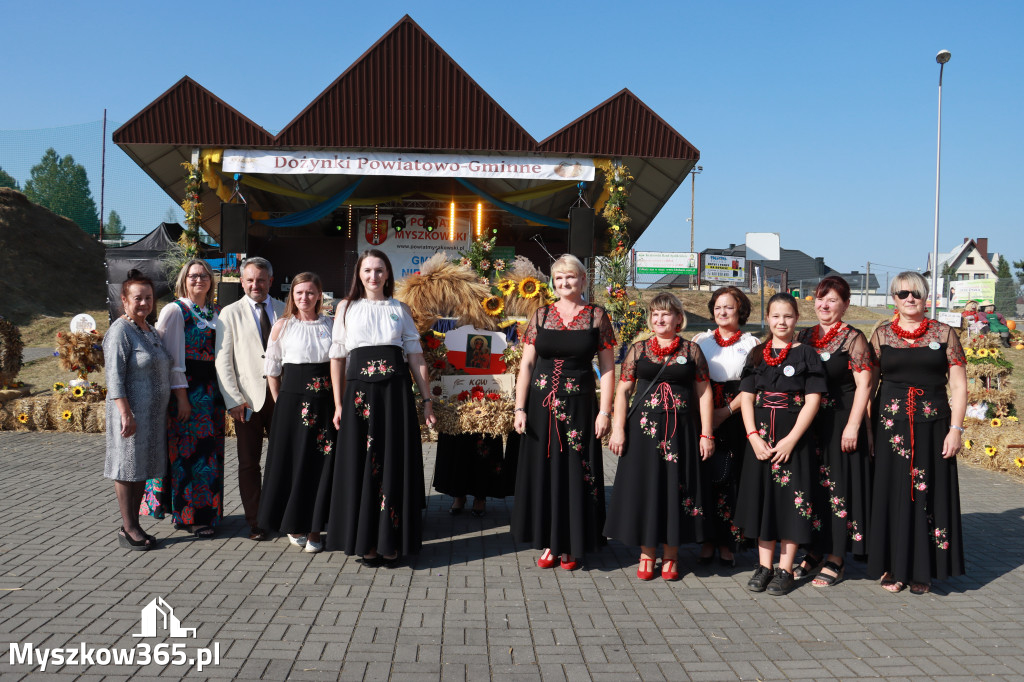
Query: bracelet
(753,433)
(708,437)
(731,411)
(602,413)
(520,409)
(427,400)
(958,428)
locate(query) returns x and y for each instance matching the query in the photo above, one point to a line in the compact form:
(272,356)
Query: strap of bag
(649,386)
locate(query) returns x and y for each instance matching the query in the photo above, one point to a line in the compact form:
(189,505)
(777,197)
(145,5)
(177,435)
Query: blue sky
(816,120)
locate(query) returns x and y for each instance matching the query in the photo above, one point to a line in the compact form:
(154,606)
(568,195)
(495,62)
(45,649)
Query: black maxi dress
(657,494)
(560,480)
(377,498)
(470,464)
(775,499)
(914,532)
(843,493)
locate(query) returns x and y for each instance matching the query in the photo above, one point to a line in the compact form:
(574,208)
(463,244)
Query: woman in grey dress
(138,373)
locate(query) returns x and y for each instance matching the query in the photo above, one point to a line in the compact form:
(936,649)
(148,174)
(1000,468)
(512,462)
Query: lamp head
(943,56)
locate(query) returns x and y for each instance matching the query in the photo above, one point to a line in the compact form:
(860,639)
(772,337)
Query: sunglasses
(903,294)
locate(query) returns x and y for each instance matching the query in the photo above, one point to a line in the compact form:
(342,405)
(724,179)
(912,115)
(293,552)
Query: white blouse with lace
(373,323)
(171,327)
(725,362)
(296,342)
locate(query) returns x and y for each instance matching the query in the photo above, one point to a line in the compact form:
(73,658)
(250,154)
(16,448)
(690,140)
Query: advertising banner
(407,163)
(964,290)
(414,244)
(665,263)
(724,269)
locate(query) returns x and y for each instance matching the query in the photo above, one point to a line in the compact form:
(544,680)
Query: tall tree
(1018,266)
(61,185)
(7,180)
(1006,291)
(113,228)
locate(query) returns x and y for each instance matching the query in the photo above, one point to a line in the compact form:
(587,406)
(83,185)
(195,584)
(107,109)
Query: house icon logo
(158,617)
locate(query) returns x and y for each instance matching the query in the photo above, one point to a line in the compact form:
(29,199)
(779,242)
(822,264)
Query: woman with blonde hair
(559,505)
(302,435)
(193,490)
(657,499)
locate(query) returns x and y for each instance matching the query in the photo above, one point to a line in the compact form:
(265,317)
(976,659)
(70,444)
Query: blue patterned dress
(193,491)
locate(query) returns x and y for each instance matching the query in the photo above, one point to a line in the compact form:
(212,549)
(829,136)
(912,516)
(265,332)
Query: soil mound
(48,265)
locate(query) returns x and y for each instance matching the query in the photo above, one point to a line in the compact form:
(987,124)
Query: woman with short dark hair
(138,372)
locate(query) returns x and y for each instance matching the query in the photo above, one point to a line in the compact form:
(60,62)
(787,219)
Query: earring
(679,328)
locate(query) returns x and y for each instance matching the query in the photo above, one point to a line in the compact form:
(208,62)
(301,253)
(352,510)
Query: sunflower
(1013,419)
(982,352)
(1019,461)
(78,391)
(968,444)
(969,352)
(66,415)
(990,450)
(506,286)
(493,305)
(59,386)
(23,418)
(995,422)
(529,287)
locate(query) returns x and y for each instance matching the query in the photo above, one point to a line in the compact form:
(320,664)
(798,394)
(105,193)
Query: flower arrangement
(79,352)
(994,441)
(193,208)
(479,258)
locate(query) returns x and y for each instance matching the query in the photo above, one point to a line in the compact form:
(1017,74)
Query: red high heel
(649,573)
(568,565)
(668,569)
(546,560)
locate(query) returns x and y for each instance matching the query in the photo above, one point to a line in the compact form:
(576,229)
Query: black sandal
(824,580)
(127,542)
(204,531)
(813,564)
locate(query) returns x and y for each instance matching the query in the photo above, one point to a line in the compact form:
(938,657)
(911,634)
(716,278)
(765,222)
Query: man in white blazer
(242,334)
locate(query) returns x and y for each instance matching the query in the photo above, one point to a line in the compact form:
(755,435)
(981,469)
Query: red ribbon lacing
(774,400)
(667,398)
(912,394)
(718,393)
(551,402)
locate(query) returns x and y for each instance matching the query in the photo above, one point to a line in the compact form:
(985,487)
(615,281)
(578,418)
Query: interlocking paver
(473,605)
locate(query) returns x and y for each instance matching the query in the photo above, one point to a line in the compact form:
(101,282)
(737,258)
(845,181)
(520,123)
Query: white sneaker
(314,547)
(299,542)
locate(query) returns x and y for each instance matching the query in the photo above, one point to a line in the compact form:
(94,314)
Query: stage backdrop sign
(411,247)
(724,268)
(665,263)
(408,163)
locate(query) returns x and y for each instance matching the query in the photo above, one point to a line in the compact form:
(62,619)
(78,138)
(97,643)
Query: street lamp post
(693,193)
(942,57)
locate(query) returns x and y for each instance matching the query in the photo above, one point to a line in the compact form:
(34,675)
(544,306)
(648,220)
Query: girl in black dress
(559,504)
(781,389)
(657,497)
(915,533)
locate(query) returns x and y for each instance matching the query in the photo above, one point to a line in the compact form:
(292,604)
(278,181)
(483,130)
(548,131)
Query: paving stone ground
(473,605)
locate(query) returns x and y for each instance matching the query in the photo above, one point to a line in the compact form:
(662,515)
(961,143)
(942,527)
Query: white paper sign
(953,319)
(491,383)
(408,164)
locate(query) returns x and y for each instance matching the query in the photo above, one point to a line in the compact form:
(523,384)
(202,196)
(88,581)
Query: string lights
(451,222)
(350,221)
(479,219)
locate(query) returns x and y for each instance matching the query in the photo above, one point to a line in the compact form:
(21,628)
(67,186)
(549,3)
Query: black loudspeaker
(228,292)
(234,228)
(581,232)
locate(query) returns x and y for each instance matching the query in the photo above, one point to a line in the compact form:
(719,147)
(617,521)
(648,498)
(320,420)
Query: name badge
(201,323)
(825,356)
(788,370)
(934,345)
(681,360)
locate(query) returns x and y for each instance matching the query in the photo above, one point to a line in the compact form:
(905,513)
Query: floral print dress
(914,531)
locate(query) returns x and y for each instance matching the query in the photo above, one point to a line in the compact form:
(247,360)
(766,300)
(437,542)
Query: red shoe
(645,574)
(568,565)
(546,560)
(668,569)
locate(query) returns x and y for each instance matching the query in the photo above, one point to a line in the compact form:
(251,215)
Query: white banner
(413,245)
(666,263)
(724,268)
(409,163)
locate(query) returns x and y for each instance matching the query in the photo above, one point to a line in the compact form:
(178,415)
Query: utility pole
(867,283)
(693,194)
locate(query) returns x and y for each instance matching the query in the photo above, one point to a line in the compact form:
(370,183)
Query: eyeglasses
(195,277)
(903,294)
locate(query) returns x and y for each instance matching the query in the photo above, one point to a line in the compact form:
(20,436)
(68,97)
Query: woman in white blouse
(193,490)
(302,433)
(725,349)
(377,495)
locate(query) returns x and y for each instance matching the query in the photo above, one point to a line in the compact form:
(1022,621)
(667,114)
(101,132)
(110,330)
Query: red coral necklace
(725,343)
(827,339)
(659,351)
(908,335)
(772,362)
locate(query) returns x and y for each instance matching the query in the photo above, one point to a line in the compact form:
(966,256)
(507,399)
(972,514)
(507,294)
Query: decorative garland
(10,352)
(79,352)
(193,209)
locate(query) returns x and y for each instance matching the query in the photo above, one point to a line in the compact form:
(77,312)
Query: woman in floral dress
(914,534)
(781,390)
(302,435)
(559,506)
(843,496)
(657,498)
(193,490)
